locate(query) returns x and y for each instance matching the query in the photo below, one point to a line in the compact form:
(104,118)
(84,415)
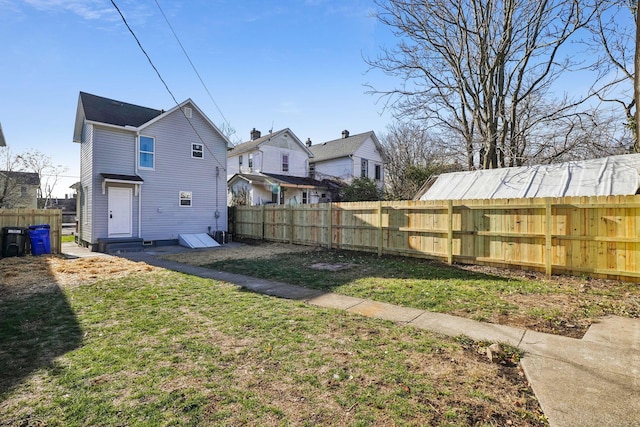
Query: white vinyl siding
(162,216)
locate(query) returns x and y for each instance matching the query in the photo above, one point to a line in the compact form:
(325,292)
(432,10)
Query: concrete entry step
(119,244)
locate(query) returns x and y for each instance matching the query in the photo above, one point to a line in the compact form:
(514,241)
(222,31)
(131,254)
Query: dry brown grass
(22,276)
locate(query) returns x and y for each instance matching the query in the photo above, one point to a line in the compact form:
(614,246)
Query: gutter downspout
(135,161)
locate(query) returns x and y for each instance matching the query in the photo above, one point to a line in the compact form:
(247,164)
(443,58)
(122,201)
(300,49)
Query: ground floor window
(305,198)
(186,198)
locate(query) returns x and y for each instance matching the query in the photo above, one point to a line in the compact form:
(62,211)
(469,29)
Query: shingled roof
(110,111)
(98,109)
(284,180)
(342,147)
(22,178)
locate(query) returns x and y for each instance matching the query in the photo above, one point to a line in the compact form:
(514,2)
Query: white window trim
(193,150)
(364,167)
(189,198)
(155,151)
(282,156)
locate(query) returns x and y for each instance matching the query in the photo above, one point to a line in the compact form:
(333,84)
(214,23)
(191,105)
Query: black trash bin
(14,241)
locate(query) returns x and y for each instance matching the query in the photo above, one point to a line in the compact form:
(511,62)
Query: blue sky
(268,64)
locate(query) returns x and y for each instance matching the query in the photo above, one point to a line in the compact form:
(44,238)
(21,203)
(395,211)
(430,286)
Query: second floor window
(285,163)
(364,168)
(146,152)
(250,161)
(197,151)
(240,163)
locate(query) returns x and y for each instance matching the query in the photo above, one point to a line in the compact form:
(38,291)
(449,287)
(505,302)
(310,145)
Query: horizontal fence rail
(596,236)
(27,217)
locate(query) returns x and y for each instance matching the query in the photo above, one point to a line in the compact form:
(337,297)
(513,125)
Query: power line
(165,84)
(192,65)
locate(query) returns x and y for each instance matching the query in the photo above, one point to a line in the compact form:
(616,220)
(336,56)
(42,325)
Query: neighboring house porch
(265,188)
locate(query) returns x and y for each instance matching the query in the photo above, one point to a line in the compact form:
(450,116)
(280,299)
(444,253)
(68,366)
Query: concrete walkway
(594,381)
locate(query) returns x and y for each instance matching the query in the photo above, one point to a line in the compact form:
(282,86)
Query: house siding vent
(188,112)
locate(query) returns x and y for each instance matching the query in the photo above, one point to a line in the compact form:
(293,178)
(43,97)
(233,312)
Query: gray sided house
(147,175)
(352,156)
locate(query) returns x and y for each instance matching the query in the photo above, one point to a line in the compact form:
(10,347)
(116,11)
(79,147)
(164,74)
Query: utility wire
(192,65)
(224,167)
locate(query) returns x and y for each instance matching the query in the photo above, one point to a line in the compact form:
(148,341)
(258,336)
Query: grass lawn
(560,304)
(84,342)
(68,238)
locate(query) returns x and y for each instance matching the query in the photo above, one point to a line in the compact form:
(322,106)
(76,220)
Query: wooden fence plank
(596,235)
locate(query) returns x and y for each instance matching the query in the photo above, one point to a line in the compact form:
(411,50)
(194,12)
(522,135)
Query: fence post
(380,233)
(547,236)
(262,220)
(450,232)
(291,221)
(329,220)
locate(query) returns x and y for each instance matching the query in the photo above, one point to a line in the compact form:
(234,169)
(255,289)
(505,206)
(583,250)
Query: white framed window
(378,172)
(250,161)
(285,163)
(197,151)
(186,198)
(146,152)
(240,162)
(364,168)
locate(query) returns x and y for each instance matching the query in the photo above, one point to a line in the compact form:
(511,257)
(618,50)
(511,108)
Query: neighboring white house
(147,175)
(279,152)
(274,169)
(608,176)
(352,156)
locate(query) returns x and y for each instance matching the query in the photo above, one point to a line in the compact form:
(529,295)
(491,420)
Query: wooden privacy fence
(27,217)
(597,236)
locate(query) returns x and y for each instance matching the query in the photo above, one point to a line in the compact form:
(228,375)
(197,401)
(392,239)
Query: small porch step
(114,245)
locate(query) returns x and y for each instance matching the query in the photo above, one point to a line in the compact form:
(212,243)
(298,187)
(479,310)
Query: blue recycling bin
(40,240)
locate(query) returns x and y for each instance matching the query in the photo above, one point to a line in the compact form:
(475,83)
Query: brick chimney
(345,134)
(308,142)
(255,134)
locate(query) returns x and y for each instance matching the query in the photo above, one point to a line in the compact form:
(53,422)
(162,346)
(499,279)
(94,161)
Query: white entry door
(120,213)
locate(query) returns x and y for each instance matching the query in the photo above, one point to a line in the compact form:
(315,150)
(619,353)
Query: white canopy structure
(608,176)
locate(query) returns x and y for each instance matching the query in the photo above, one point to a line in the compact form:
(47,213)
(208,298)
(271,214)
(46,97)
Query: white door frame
(119,212)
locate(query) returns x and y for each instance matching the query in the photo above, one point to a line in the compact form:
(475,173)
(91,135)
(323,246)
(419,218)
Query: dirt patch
(332,266)
(246,251)
(23,276)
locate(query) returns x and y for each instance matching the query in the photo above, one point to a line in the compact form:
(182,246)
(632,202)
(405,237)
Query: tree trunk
(636,85)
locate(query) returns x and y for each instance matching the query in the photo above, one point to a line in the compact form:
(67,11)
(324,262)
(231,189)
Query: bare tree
(49,173)
(481,69)
(614,39)
(412,155)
